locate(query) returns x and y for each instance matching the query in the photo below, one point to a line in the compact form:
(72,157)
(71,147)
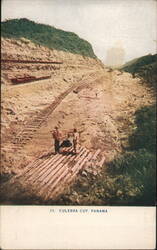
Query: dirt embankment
(102,110)
(24,50)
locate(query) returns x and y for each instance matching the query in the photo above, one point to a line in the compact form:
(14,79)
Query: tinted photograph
(78,102)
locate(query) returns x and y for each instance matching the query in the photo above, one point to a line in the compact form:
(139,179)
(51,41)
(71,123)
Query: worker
(57,137)
(75,140)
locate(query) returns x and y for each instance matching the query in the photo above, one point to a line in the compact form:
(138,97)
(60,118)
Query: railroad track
(48,176)
(30,127)
(30,61)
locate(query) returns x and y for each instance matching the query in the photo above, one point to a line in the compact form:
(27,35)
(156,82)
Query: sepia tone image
(78,87)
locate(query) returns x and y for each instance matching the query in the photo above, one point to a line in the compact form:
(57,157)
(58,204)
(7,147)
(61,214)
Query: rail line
(30,61)
(30,127)
(48,175)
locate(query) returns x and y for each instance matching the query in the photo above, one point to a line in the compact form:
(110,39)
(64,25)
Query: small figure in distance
(57,137)
(75,140)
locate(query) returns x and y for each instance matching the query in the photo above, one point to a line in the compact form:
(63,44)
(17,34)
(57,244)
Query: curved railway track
(30,127)
(48,176)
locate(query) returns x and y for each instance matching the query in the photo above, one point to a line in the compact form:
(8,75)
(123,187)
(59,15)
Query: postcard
(78,116)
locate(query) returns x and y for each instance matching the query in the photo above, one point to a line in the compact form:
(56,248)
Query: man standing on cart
(75,140)
(57,137)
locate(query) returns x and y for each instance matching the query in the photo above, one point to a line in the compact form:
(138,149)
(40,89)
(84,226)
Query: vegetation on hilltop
(144,67)
(133,65)
(47,36)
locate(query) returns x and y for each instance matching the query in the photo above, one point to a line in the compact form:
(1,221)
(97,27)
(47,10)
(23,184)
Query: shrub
(145,134)
(138,169)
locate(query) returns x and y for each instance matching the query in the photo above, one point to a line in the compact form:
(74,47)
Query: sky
(126,24)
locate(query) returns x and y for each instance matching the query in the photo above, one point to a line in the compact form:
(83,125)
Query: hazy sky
(130,24)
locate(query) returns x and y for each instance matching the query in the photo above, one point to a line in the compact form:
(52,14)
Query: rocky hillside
(135,64)
(46,35)
(144,67)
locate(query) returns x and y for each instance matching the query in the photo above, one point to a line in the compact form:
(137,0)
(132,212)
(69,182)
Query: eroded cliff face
(22,58)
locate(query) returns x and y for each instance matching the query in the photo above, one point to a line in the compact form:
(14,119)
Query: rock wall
(17,56)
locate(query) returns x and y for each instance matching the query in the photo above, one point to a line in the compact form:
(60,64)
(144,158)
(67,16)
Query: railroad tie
(96,154)
(55,168)
(38,164)
(49,193)
(29,167)
(51,169)
(101,162)
(52,179)
(42,165)
(62,168)
(33,165)
(69,177)
(79,155)
(47,170)
(77,168)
